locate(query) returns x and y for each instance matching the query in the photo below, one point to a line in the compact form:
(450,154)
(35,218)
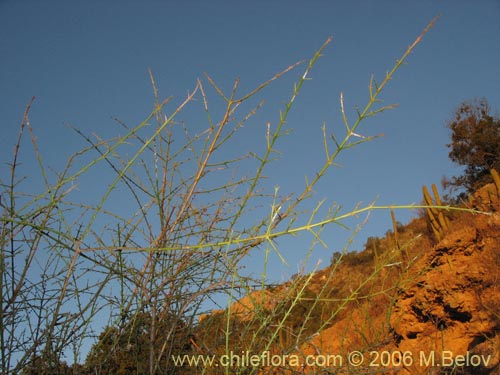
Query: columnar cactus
(439,222)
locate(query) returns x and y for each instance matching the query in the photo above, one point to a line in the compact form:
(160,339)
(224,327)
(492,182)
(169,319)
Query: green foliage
(47,365)
(354,258)
(475,144)
(336,257)
(126,350)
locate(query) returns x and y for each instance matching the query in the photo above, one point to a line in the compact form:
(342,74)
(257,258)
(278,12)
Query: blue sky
(87,62)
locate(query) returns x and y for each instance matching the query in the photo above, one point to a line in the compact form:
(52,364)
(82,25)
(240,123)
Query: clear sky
(87,62)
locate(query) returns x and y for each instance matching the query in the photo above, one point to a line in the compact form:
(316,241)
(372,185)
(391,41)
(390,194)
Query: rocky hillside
(409,303)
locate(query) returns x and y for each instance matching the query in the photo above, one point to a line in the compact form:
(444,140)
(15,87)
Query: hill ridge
(426,299)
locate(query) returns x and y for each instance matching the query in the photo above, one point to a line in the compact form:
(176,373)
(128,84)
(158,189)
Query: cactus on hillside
(439,222)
